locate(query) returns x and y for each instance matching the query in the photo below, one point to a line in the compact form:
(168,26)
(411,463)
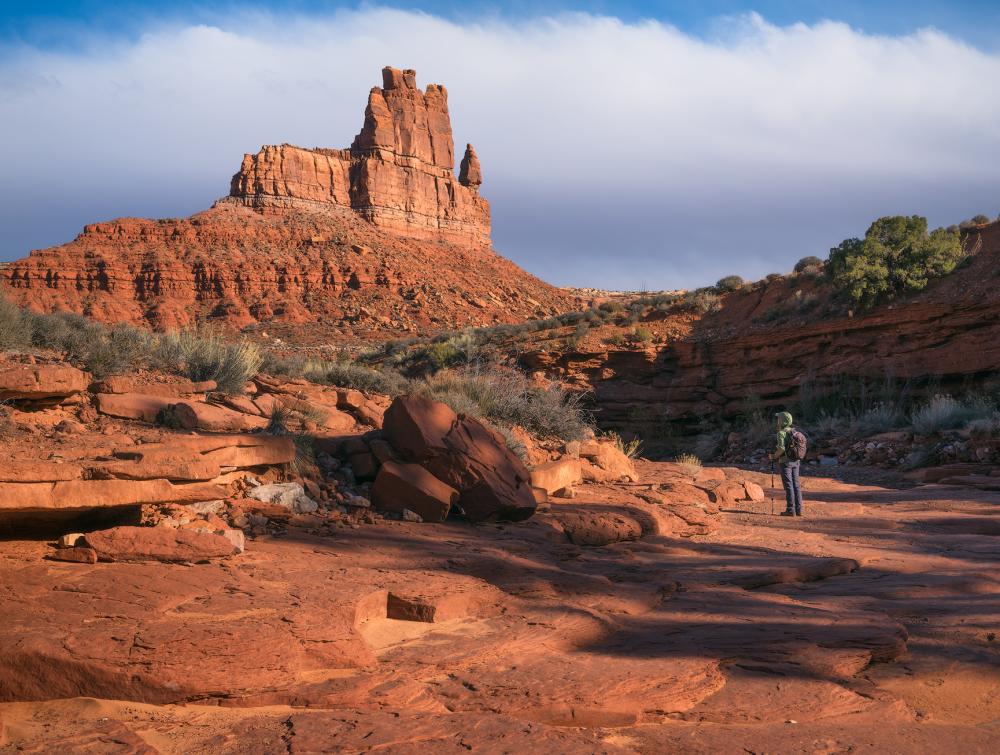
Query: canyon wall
(947,339)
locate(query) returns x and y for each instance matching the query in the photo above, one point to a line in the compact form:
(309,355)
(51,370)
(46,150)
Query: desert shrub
(829,426)
(691,463)
(207,356)
(806,263)
(116,350)
(974,221)
(947,413)
(729,283)
(897,255)
(772,277)
(641,335)
(508,397)
(611,307)
(702,300)
(442,355)
(15,327)
(278,422)
(985,427)
(63,331)
(881,418)
(513,443)
(359,377)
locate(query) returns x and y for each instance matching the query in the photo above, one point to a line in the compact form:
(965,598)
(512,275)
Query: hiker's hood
(784,419)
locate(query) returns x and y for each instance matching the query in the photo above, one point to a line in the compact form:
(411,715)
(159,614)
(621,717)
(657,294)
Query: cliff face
(371,242)
(398,173)
(943,339)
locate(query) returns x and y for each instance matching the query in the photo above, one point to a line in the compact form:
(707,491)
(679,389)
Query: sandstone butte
(376,240)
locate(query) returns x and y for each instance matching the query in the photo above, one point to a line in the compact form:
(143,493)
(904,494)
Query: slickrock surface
(375,241)
(869,625)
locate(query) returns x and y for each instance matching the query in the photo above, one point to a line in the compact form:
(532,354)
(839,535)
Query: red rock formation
(369,242)
(470,173)
(398,173)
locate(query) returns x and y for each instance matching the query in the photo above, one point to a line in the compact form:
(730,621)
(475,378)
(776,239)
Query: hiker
(789,451)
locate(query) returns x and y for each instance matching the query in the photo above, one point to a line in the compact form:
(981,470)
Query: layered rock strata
(398,173)
(945,339)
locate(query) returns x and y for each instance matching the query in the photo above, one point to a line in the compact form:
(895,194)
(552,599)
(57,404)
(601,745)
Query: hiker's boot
(787,513)
(799,513)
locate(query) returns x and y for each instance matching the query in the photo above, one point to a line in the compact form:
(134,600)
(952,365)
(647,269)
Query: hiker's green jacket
(783,430)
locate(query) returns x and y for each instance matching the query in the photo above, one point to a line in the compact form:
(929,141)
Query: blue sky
(59,21)
(626,145)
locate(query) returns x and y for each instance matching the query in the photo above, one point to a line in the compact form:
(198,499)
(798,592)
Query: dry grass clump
(947,413)
(690,463)
(208,356)
(631,448)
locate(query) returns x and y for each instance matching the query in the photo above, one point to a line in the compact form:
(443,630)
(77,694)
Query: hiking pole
(772,487)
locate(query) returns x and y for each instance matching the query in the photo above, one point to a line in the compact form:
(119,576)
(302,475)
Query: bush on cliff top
(896,256)
(730,283)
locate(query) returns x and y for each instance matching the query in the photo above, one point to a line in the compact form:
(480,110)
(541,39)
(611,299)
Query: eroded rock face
(398,173)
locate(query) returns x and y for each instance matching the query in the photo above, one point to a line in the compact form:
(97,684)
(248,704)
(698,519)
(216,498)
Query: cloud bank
(614,154)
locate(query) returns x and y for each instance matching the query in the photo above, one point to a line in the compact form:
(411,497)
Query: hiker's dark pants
(793,488)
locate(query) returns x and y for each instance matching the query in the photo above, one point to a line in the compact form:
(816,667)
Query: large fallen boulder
(492,482)
(409,486)
(41,381)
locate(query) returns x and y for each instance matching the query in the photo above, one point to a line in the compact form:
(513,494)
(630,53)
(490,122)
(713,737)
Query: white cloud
(686,158)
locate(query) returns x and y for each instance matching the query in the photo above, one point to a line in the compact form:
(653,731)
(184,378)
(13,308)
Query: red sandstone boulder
(557,475)
(678,491)
(410,486)
(607,463)
(132,405)
(159,544)
(128,384)
(74,554)
(46,381)
(492,481)
(586,526)
(193,415)
(416,427)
